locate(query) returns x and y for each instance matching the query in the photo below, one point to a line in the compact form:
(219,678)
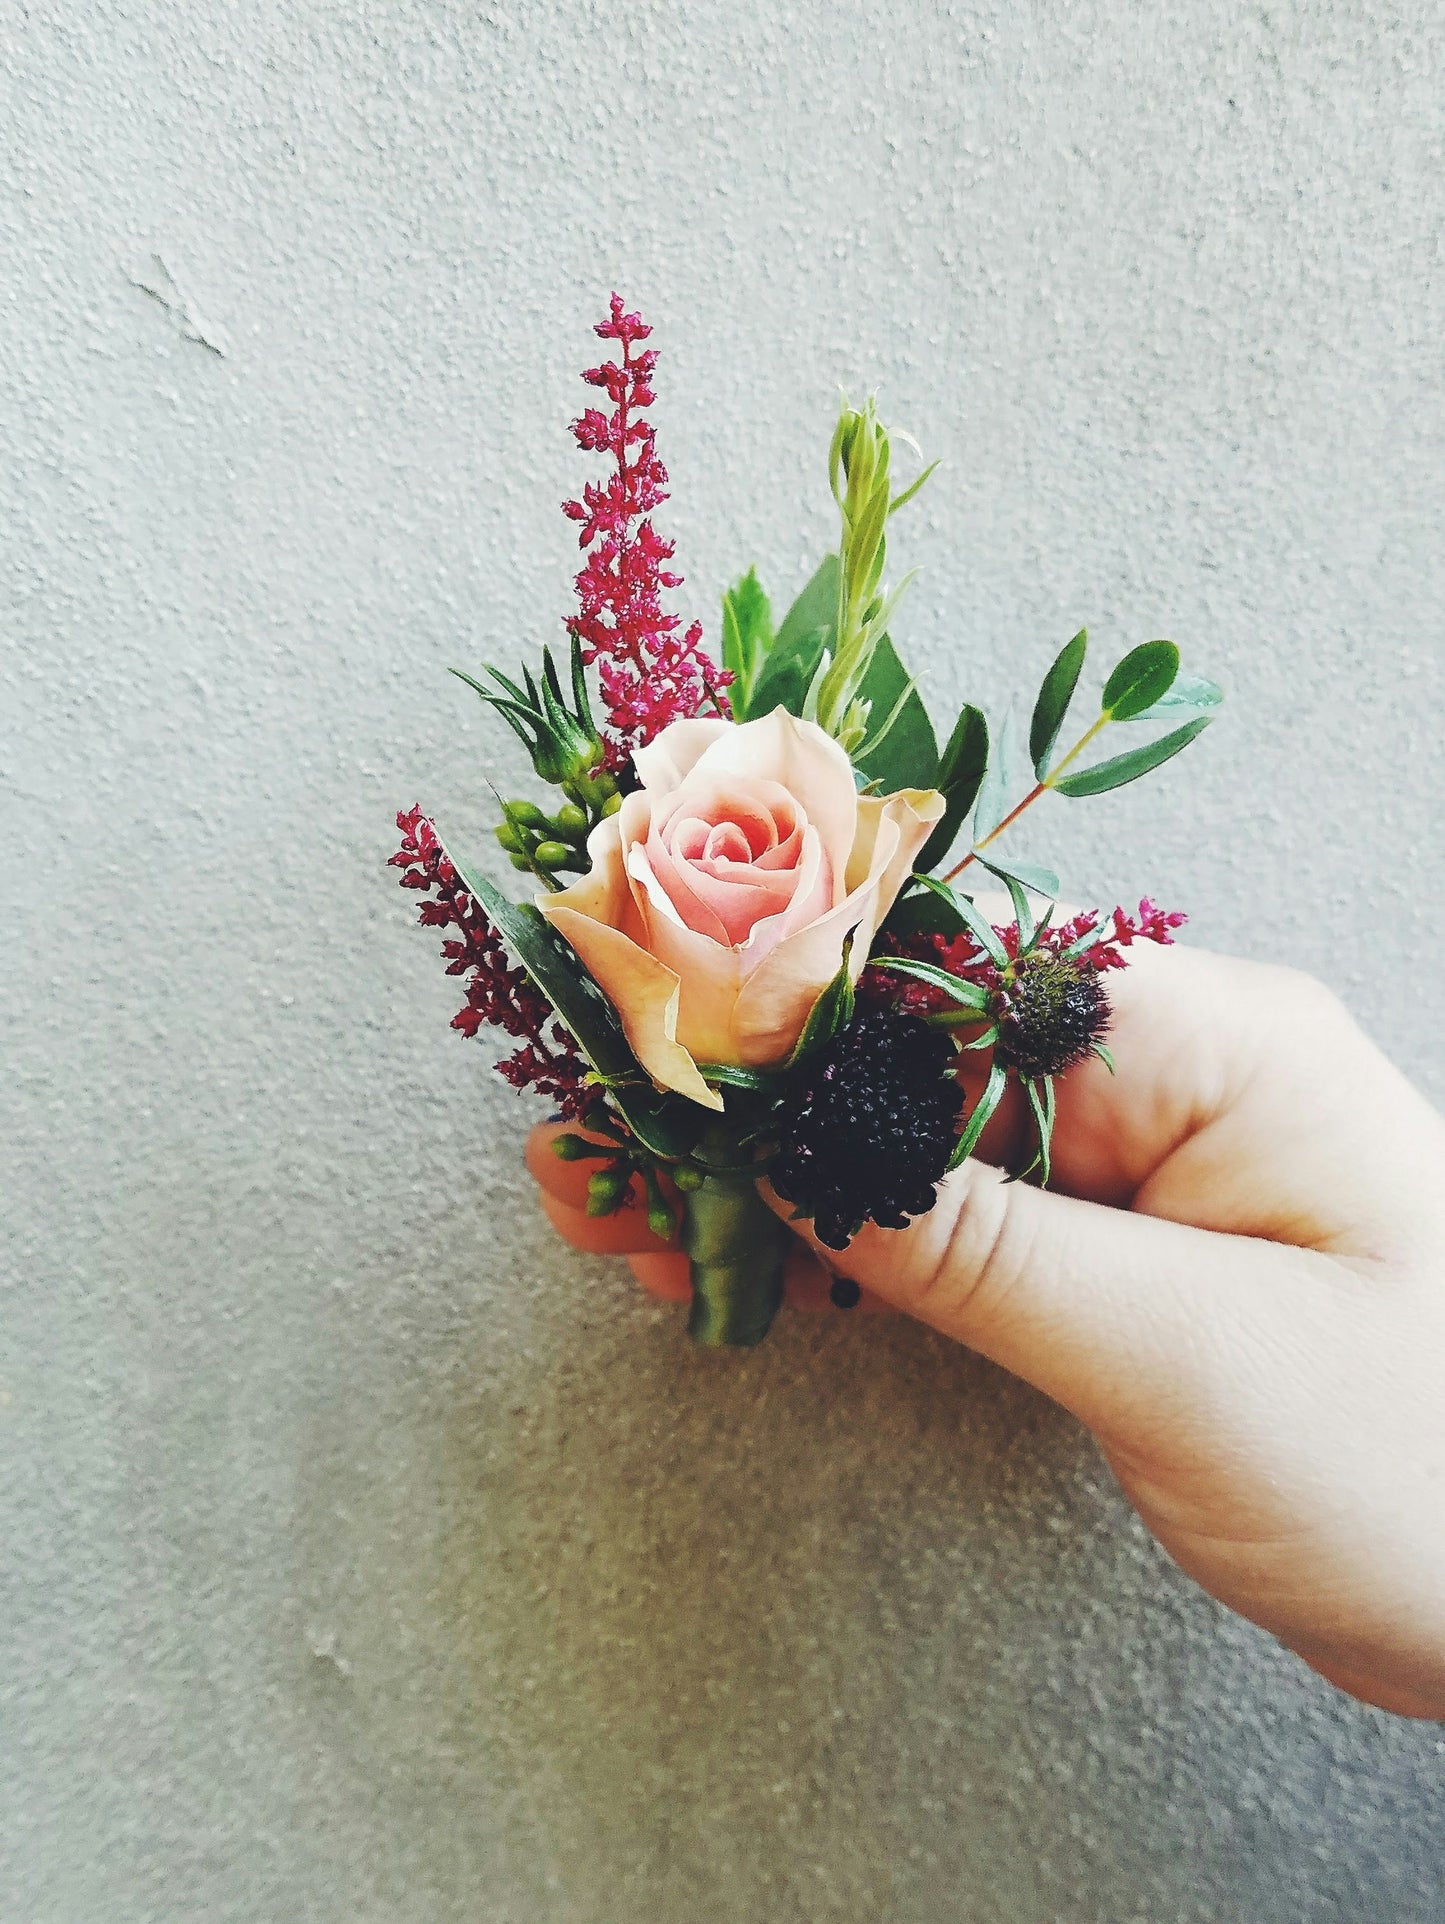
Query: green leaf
(735,1076)
(1190,695)
(806,630)
(1119,769)
(747,636)
(816,607)
(1033,875)
(1043,1115)
(1106,1056)
(1054,698)
(1144,676)
(907,756)
(972,918)
(668,1125)
(961,769)
(982,1111)
(784,680)
(968,995)
(831,1012)
(1023,914)
(923,913)
(1003,779)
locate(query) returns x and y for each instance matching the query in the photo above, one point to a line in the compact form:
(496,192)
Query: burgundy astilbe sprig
(498,995)
(650,673)
(962,956)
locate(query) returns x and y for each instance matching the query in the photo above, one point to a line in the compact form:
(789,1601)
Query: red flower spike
(649,674)
(498,995)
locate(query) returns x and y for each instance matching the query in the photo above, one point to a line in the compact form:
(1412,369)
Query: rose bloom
(722,891)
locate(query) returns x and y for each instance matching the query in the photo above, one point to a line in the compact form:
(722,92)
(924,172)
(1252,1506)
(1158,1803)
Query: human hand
(1237,1283)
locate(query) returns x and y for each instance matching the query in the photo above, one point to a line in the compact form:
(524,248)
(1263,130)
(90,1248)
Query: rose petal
(803,761)
(645,995)
(664,762)
(777,997)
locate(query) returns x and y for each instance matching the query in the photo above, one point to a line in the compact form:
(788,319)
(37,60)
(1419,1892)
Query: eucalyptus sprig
(1145,686)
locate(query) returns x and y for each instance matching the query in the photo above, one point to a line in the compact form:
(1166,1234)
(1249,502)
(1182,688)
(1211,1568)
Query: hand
(1238,1284)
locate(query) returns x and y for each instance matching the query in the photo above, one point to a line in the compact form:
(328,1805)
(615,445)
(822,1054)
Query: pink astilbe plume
(650,674)
(498,995)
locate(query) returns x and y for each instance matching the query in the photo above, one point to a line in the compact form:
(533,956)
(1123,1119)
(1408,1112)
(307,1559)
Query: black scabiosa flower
(1050,1014)
(868,1126)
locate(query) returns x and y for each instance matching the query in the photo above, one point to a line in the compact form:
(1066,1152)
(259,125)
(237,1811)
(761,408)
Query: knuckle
(968,1272)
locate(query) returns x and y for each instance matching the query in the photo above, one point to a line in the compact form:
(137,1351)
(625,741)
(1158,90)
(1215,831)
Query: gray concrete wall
(367,1557)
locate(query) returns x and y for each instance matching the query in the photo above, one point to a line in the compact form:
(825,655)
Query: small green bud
(611,805)
(570,821)
(605,1190)
(660,1221)
(509,838)
(551,854)
(523,862)
(687,1177)
(570,1148)
(525,815)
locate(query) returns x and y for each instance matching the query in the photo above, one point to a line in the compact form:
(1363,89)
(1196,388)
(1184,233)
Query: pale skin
(1237,1282)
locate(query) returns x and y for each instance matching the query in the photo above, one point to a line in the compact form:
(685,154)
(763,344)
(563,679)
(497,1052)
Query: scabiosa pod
(650,673)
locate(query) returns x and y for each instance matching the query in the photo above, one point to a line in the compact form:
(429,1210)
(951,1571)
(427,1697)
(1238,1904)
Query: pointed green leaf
(747,637)
(1043,1116)
(1054,698)
(972,918)
(902,500)
(788,667)
(968,995)
(1190,695)
(1033,875)
(735,1076)
(923,913)
(907,756)
(1005,781)
(1144,676)
(832,1011)
(1103,776)
(961,769)
(982,1112)
(816,607)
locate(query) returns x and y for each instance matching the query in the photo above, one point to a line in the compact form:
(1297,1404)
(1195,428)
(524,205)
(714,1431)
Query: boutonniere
(751,945)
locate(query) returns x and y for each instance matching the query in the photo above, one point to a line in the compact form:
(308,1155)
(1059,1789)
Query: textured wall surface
(367,1557)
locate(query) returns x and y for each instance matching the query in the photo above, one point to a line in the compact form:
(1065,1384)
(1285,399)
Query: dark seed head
(1051,1015)
(868,1126)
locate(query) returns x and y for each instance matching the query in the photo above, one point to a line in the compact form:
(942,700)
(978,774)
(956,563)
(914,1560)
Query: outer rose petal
(916,811)
(599,917)
(776,999)
(645,995)
(662,765)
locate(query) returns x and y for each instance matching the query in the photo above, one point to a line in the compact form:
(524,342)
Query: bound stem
(735,1245)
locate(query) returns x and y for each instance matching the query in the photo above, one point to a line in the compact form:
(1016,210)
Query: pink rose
(722,891)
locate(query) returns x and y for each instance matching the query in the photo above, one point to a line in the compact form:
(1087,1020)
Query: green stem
(1040,787)
(735,1245)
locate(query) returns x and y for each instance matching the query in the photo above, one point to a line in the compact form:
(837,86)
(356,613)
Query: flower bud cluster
(539,843)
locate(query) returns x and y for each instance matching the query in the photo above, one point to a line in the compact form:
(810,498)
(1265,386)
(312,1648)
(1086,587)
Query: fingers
(1128,1321)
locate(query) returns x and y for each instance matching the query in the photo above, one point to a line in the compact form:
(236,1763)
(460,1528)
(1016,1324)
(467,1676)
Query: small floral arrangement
(741,960)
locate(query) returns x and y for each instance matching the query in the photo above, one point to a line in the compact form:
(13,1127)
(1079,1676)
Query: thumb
(1127,1320)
